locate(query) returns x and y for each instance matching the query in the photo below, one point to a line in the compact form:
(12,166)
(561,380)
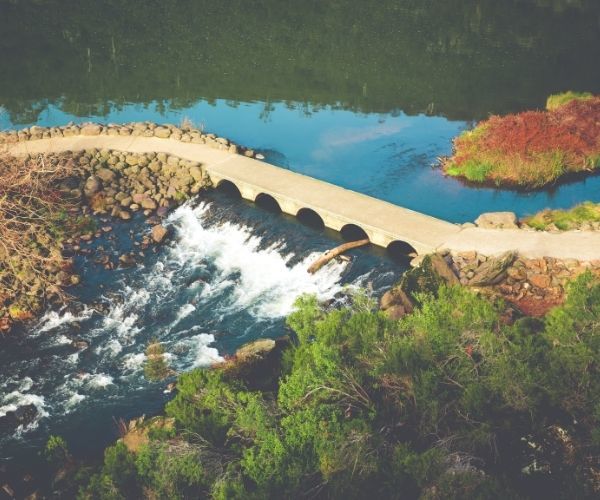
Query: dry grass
(33,219)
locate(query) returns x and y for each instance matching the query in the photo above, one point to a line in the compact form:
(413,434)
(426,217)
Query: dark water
(365,94)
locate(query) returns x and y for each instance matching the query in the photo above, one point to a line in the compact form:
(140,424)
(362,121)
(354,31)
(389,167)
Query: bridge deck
(383,222)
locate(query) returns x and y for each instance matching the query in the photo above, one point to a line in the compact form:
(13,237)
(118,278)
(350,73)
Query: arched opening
(310,218)
(352,232)
(400,250)
(229,188)
(267,202)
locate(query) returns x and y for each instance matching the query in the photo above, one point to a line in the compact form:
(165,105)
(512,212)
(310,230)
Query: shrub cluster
(533,148)
(449,402)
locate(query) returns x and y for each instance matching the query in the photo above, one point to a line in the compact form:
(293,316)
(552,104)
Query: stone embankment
(98,183)
(533,286)
(185,133)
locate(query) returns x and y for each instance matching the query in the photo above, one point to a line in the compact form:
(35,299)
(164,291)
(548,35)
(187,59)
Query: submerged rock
(159,233)
(23,415)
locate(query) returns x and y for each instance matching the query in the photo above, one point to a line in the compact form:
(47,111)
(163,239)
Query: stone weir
(357,215)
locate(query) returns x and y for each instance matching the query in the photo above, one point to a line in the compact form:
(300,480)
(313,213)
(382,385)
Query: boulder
(258,363)
(22,416)
(497,220)
(162,132)
(196,173)
(127,260)
(148,203)
(441,267)
(542,281)
(92,185)
(159,233)
(492,271)
(91,129)
(106,175)
(253,350)
(132,160)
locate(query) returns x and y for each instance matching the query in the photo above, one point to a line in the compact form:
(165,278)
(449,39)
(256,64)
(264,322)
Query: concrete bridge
(353,214)
(319,202)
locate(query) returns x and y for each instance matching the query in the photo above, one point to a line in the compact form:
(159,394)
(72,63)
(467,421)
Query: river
(366,98)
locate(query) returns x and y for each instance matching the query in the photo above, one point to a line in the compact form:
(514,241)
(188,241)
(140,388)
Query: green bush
(449,402)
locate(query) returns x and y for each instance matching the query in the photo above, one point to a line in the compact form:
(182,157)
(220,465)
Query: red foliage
(536,307)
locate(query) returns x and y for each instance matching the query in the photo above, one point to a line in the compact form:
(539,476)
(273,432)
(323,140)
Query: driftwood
(333,253)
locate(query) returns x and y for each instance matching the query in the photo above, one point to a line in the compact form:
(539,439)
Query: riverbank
(456,396)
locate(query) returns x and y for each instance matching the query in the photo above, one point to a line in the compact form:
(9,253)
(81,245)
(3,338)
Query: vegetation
(155,366)
(533,148)
(557,100)
(574,218)
(449,402)
(35,202)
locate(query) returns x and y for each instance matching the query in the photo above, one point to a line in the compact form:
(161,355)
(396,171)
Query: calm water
(363,94)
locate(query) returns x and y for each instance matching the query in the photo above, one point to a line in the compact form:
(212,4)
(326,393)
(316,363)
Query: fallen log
(334,252)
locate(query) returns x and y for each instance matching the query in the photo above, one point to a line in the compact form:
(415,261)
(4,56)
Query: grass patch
(556,100)
(565,219)
(477,172)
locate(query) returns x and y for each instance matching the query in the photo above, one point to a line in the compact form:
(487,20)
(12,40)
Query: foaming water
(261,279)
(231,273)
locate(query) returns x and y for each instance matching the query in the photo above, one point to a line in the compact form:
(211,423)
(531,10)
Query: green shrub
(556,100)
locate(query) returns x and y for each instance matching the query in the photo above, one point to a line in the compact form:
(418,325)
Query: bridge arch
(266,201)
(229,188)
(398,249)
(310,218)
(352,232)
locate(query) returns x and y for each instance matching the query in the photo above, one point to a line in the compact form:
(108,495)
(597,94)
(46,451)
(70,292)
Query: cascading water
(230,274)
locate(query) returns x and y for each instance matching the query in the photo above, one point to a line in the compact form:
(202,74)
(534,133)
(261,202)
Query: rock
(540,280)
(125,202)
(196,173)
(92,185)
(132,160)
(80,344)
(492,271)
(394,298)
(162,132)
(124,214)
(91,129)
(22,416)
(441,267)
(395,312)
(148,203)
(75,279)
(127,260)
(106,175)
(162,211)
(158,233)
(497,220)
(256,349)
